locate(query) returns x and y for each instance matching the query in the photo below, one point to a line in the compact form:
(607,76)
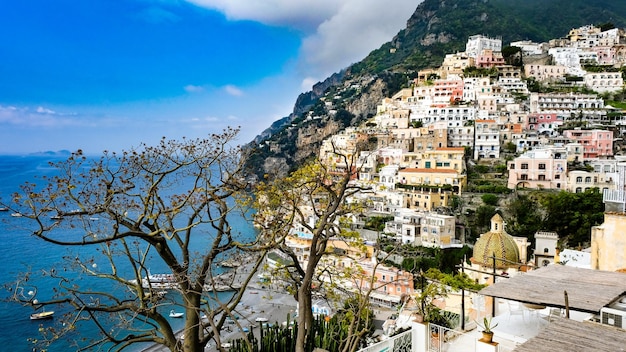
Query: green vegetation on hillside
(453,21)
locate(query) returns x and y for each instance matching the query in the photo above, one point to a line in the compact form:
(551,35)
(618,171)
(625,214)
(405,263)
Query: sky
(110,74)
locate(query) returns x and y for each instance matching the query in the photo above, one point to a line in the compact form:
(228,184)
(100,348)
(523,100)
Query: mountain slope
(437,27)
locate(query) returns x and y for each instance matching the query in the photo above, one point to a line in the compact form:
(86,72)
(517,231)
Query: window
(523,177)
(524,166)
(542,166)
(587,179)
(557,177)
(512,167)
(579,179)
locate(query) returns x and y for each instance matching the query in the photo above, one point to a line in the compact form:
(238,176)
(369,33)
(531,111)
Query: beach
(259,301)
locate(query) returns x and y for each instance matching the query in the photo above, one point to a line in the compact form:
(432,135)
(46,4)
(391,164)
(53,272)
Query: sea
(21,252)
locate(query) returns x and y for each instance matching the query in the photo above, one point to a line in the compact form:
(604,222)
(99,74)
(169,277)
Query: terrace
(531,313)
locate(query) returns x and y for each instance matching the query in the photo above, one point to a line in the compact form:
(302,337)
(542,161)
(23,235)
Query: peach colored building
(596,143)
(546,73)
(441,93)
(539,168)
(389,285)
(489,58)
(454,64)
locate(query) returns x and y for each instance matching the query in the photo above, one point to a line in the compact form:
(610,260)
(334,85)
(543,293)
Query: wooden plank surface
(588,290)
(573,336)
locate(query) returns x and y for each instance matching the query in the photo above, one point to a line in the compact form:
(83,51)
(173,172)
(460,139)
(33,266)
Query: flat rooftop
(587,290)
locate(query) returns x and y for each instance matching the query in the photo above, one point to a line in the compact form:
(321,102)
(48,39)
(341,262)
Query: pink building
(539,168)
(541,122)
(390,284)
(596,143)
(442,93)
(488,58)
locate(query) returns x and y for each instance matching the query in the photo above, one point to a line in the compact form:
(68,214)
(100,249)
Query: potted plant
(487,329)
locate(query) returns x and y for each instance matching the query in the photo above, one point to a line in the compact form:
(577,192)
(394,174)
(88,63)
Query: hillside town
(482,108)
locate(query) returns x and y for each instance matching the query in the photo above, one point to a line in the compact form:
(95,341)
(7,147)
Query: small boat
(4,209)
(42,315)
(16,215)
(174,314)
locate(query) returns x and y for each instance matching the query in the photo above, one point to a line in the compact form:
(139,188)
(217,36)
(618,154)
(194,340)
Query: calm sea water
(21,252)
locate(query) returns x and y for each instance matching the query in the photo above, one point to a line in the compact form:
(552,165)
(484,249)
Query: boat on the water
(16,215)
(4,209)
(159,281)
(42,315)
(174,314)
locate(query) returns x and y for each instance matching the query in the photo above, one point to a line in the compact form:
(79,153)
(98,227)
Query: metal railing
(402,342)
(441,338)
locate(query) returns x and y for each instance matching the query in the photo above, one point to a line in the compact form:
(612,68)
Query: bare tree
(315,199)
(169,205)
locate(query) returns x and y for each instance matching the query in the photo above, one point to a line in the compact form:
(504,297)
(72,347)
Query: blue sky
(109,74)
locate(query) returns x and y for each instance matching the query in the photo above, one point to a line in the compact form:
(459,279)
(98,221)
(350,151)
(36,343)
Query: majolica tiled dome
(496,243)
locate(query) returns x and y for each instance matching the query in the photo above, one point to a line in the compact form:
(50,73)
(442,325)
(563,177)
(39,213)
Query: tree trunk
(192,323)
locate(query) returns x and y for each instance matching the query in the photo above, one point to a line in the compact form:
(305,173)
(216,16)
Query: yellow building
(433,177)
(435,157)
(425,199)
(608,243)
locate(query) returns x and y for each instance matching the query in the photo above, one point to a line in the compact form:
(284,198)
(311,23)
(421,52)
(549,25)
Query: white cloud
(308,82)
(304,15)
(42,110)
(39,117)
(356,29)
(190,88)
(337,32)
(233,90)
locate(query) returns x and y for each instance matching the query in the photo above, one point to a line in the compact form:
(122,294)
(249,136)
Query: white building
(568,57)
(477,43)
(438,230)
(604,81)
(451,116)
(530,48)
(545,248)
(487,141)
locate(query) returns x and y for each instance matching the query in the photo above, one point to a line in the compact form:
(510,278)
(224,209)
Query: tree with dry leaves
(171,205)
(317,200)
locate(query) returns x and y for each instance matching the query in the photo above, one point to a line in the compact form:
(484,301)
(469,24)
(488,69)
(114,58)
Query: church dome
(496,243)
